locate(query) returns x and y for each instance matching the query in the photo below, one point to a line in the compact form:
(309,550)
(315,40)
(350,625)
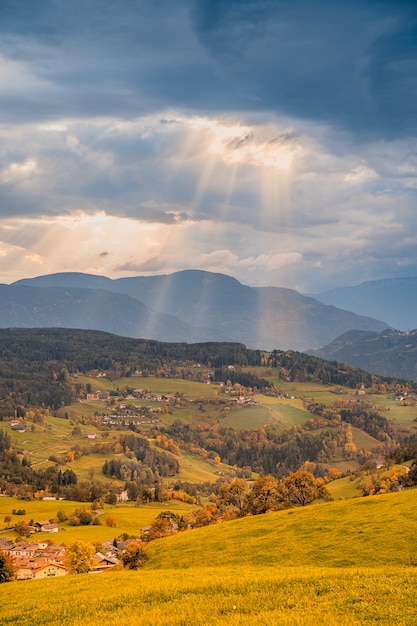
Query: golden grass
(217,596)
(371,531)
(344,563)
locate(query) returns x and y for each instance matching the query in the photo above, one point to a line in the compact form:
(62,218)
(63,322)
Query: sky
(271,140)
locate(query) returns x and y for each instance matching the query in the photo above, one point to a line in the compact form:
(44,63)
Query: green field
(188,388)
(53,437)
(195,469)
(252,417)
(346,487)
(344,563)
(129,518)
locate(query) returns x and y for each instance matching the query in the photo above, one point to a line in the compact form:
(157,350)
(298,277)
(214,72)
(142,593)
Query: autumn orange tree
(207,515)
(264,495)
(6,568)
(300,489)
(79,557)
(231,498)
(134,556)
(160,527)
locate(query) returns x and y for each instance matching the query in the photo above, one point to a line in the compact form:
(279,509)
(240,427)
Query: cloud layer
(262,139)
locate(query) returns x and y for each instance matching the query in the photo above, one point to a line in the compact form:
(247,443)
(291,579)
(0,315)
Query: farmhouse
(104,562)
(98,395)
(5,544)
(37,568)
(50,528)
(46,527)
(19,427)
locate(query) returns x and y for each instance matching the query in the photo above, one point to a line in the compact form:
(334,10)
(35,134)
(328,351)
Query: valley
(265,481)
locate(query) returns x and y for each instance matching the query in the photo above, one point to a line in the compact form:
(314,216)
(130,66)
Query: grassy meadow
(129,518)
(361,532)
(217,596)
(344,563)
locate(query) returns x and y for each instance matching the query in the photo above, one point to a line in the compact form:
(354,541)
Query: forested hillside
(389,352)
(36,365)
(243,415)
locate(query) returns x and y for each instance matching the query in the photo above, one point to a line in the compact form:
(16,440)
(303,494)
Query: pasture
(344,563)
(217,595)
(129,518)
(360,532)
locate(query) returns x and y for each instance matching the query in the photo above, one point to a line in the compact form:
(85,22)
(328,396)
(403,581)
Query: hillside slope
(334,534)
(389,353)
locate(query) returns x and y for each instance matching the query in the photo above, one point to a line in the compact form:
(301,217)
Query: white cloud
(18,171)
(168,191)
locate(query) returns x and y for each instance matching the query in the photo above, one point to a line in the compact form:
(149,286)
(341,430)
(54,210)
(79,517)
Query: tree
(134,556)
(79,557)
(207,515)
(7,520)
(232,497)
(22,529)
(264,495)
(301,488)
(110,521)
(6,568)
(160,527)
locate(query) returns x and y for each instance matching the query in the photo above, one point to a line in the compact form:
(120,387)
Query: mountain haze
(95,309)
(259,317)
(393,299)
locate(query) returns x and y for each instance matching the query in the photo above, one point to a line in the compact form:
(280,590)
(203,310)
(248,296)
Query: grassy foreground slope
(219,597)
(363,532)
(340,563)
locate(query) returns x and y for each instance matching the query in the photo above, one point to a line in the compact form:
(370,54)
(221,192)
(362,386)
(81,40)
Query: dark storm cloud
(100,57)
(351,64)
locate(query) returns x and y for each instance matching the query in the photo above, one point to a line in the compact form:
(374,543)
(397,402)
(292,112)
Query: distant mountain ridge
(203,306)
(393,299)
(95,309)
(388,353)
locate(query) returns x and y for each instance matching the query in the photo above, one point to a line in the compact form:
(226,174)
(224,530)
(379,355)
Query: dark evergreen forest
(35,364)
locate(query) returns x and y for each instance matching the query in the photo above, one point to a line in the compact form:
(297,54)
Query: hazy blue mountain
(388,353)
(264,318)
(96,309)
(393,300)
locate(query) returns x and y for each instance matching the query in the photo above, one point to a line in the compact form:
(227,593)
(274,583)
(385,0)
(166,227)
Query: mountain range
(392,299)
(190,305)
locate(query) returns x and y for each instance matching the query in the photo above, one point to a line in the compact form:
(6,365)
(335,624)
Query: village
(45,559)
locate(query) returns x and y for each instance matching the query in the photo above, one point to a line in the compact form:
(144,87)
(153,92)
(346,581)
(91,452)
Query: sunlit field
(243,595)
(335,564)
(363,532)
(129,518)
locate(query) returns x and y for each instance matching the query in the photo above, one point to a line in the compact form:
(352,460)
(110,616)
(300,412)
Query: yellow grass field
(345,563)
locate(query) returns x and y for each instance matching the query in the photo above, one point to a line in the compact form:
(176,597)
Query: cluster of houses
(130,394)
(41,559)
(407,397)
(35,559)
